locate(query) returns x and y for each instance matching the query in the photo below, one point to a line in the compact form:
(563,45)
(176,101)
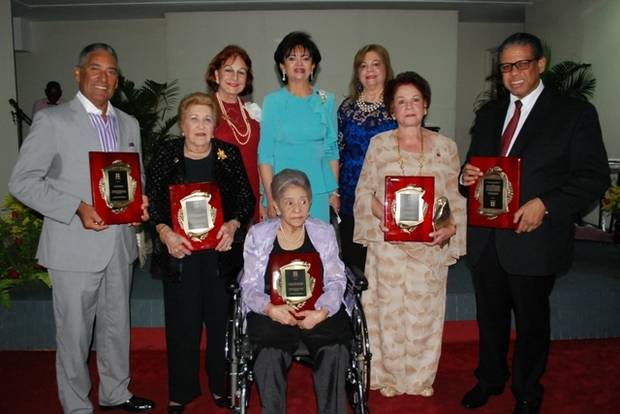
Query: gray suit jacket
(52,176)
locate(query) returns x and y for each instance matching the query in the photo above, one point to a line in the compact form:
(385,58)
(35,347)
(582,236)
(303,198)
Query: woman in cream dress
(405,302)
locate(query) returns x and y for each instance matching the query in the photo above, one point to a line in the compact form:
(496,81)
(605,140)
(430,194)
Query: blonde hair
(198,98)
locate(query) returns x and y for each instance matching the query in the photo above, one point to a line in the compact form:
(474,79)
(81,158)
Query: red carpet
(582,377)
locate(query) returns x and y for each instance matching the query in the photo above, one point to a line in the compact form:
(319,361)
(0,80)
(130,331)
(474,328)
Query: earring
(283,77)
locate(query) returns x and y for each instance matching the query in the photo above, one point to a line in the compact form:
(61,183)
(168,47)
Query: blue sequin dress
(355,129)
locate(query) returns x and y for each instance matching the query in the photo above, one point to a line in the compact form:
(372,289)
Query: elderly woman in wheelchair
(287,261)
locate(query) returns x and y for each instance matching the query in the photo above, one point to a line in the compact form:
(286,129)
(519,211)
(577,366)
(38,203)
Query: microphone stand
(18,117)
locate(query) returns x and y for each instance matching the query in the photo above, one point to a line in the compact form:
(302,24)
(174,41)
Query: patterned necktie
(510,129)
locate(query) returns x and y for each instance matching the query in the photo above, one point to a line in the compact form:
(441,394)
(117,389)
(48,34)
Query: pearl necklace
(419,159)
(241,138)
(365,107)
(291,242)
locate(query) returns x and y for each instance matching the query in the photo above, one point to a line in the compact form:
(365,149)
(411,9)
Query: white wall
(56,46)
(587,31)
(474,42)
(8,138)
(424,41)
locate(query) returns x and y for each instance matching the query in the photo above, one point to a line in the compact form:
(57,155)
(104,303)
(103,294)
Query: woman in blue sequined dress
(360,117)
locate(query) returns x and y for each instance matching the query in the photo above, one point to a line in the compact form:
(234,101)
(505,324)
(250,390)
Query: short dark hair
(94,47)
(287,178)
(230,51)
(51,85)
(407,78)
(294,40)
(523,39)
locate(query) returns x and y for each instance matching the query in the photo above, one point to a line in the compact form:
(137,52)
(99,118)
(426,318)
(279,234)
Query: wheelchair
(240,353)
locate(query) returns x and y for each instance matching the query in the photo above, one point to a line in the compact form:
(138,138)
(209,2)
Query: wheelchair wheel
(359,372)
(236,350)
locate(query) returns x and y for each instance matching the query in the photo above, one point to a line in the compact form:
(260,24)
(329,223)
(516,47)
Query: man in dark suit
(564,171)
(90,262)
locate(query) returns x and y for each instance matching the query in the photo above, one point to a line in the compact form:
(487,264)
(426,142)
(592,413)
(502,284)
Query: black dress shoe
(176,409)
(527,407)
(478,396)
(134,404)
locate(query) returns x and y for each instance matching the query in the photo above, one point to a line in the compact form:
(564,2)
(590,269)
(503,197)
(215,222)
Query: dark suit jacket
(167,167)
(563,162)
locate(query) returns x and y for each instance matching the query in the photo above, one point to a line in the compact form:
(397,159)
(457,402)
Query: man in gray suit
(89,261)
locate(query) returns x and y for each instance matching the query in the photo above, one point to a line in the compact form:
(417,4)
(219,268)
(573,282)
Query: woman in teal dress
(299,128)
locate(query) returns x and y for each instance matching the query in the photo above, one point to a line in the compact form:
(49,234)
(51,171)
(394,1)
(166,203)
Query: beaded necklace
(291,242)
(241,138)
(366,107)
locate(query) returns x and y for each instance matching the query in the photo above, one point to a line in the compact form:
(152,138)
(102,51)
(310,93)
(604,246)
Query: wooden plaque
(197,214)
(408,208)
(116,186)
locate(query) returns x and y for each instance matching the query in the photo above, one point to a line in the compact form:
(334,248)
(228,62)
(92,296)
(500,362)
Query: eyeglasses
(520,65)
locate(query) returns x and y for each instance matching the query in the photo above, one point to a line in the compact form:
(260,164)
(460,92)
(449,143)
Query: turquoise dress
(301,133)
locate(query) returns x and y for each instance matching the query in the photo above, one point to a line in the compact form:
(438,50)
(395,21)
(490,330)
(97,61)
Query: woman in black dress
(195,282)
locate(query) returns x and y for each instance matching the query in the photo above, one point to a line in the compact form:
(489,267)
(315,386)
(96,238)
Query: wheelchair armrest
(233,287)
(356,278)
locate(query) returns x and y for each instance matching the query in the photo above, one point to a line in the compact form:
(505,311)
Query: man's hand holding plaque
(495,189)
(197,214)
(408,208)
(116,188)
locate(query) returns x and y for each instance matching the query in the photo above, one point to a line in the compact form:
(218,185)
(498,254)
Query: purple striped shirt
(107,131)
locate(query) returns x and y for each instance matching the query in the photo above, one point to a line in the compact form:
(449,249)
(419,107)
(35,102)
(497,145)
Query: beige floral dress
(405,301)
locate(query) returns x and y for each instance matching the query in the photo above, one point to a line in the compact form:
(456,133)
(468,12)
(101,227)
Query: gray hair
(94,47)
(289,177)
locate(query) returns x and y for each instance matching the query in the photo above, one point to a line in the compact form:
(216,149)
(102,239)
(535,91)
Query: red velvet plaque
(197,214)
(116,186)
(494,198)
(408,208)
(296,279)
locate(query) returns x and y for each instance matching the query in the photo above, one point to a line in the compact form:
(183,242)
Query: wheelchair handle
(357,279)
(233,287)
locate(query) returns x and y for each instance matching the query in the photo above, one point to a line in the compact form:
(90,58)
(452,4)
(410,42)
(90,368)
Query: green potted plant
(611,205)
(20,228)
(151,105)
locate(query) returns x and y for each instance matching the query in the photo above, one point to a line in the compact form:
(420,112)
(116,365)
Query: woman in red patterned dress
(229,77)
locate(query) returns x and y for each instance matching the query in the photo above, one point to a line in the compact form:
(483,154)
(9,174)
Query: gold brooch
(221,155)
